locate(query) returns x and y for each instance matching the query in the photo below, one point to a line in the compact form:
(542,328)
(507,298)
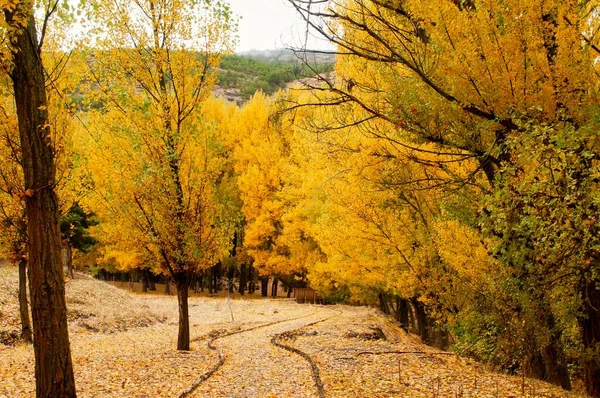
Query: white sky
(271,24)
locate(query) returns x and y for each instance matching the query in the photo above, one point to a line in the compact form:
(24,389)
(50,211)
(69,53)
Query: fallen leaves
(357,352)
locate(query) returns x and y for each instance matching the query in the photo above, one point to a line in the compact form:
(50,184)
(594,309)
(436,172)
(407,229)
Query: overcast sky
(270,24)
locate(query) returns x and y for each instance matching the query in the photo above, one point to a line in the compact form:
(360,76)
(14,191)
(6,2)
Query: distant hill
(241,75)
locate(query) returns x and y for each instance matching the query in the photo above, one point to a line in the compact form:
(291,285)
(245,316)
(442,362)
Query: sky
(270,24)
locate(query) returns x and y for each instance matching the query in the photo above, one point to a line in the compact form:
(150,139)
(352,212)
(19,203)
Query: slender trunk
(251,285)
(131,285)
(274,287)
(590,326)
(402,313)
(168,287)
(289,290)
(422,320)
(23,304)
(264,285)
(383,306)
(69,255)
(151,281)
(145,281)
(243,280)
(230,275)
(53,364)
(183,338)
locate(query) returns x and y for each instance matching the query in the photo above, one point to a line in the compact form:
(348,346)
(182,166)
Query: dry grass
(92,306)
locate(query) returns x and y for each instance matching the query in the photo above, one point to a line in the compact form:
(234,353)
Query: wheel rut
(252,363)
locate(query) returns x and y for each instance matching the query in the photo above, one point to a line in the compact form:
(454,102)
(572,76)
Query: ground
(123,345)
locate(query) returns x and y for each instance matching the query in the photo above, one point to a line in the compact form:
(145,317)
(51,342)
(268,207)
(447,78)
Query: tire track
(206,375)
(276,341)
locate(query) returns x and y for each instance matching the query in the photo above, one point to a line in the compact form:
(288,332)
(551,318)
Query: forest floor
(123,345)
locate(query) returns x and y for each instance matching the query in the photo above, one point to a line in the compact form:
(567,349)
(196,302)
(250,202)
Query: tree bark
(26,333)
(69,258)
(422,320)
(151,281)
(145,281)
(264,286)
(53,364)
(243,279)
(168,287)
(183,338)
(590,326)
(402,313)
(274,287)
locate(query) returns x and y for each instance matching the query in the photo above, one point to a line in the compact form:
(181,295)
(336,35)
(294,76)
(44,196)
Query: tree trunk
(53,364)
(145,281)
(402,313)
(251,285)
(183,338)
(590,326)
(230,276)
(264,286)
(289,291)
(383,304)
(69,257)
(168,287)
(151,281)
(243,279)
(422,320)
(274,287)
(23,304)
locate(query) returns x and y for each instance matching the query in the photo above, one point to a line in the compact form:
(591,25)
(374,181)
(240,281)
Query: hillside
(92,306)
(241,75)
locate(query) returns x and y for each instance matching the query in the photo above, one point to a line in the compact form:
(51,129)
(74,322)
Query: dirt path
(254,367)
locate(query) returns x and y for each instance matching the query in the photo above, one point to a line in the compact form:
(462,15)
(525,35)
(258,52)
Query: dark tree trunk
(53,365)
(383,304)
(264,286)
(289,290)
(243,279)
(555,369)
(145,282)
(131,281)
(23,304)
(422,320)
(251,285)
(168,286)
(151,281)
(402,313)
(183,338)
(590,326)
(230,276)
(274,287)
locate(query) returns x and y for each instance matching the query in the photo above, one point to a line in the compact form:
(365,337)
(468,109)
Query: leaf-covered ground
(259,348)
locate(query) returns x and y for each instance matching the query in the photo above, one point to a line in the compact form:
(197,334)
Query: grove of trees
(446,170)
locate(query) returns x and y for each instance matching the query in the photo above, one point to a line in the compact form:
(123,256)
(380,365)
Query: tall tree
(154,68)
(53,365)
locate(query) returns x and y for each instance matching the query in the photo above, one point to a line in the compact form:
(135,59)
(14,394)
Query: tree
(153,70)
(53,368)
(74,230)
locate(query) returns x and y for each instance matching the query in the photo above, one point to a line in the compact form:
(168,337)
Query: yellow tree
(273,236)
(153,66)
(20,59)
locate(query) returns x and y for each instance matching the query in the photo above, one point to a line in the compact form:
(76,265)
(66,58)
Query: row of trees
(455,160)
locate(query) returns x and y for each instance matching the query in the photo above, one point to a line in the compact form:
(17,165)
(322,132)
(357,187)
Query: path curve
(251,366)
